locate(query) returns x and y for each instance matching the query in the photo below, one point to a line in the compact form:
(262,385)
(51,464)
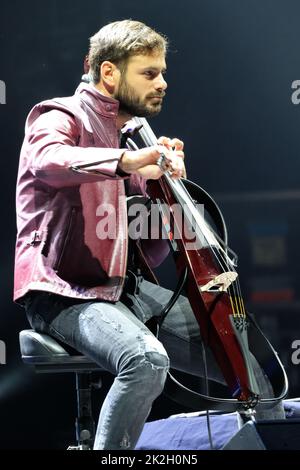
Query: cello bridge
(220,283)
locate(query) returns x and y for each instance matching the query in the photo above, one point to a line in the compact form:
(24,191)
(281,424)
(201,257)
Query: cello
(209,277)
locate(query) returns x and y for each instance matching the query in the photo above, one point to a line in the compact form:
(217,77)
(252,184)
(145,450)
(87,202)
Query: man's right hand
(144,162)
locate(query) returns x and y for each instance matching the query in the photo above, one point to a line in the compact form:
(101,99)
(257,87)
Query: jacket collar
(100,103)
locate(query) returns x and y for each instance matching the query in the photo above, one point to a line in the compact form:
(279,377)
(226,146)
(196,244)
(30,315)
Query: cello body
(213,290)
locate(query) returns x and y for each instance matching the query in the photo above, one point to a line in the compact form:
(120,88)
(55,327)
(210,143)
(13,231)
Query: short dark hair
(118,41)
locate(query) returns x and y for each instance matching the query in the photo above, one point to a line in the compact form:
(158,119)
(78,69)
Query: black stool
(46,355)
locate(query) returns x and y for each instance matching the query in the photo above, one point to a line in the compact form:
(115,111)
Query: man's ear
(110,74)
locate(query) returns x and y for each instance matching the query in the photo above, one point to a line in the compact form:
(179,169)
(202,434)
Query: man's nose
(161,83)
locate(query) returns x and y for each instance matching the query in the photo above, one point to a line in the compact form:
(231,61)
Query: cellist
(79,280)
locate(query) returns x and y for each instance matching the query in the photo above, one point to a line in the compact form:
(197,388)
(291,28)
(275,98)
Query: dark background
(230,69)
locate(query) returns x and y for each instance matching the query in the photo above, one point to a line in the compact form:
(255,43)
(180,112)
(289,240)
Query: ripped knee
(154,352)
(147,354)
(157,360)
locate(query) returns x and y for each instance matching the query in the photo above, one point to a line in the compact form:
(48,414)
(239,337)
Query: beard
(130,103)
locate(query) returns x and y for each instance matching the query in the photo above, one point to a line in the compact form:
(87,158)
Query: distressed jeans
(114,335)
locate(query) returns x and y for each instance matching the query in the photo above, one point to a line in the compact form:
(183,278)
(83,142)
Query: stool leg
(85,425)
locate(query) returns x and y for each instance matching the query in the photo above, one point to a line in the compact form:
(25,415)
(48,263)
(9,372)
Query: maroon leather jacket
(67,175)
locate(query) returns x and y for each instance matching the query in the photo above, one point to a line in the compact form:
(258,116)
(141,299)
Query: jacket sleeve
(51,145)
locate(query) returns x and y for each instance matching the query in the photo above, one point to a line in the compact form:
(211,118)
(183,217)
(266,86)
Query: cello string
(149,139)
(198,218)
(224,265)
(220,254)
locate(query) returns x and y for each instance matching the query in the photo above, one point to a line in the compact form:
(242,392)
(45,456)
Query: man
(76,285)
